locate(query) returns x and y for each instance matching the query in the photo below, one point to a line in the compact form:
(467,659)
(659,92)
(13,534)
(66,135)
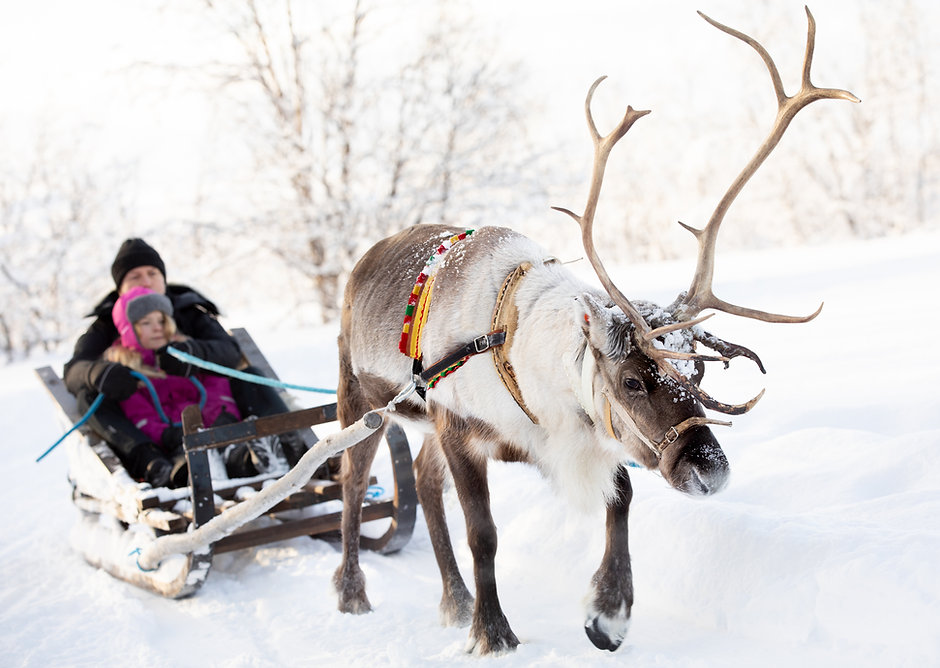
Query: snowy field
(824,550)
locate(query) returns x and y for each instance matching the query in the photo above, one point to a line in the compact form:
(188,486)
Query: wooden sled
(119,515)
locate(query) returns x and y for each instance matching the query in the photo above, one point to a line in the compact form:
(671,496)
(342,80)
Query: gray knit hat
(139,306)
(134,305)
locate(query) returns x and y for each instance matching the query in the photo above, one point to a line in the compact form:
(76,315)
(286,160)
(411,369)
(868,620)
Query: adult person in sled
(88,374)
(144,320)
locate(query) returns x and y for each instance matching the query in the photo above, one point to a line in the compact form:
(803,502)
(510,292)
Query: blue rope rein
(241,375)
(156,399)
(83,420)
(97,403)
(202,364)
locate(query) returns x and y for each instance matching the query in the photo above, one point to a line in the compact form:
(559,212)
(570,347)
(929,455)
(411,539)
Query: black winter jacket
(195,317)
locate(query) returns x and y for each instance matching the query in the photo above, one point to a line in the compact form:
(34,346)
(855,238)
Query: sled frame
(155,509)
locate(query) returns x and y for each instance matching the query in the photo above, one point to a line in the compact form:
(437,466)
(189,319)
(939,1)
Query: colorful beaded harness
(497,340)
(419,301)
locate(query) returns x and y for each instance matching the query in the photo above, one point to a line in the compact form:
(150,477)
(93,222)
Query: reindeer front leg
(490,631)
(611,596)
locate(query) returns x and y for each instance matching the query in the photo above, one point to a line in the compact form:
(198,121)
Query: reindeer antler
(645,335)
(700,296)
(602,148)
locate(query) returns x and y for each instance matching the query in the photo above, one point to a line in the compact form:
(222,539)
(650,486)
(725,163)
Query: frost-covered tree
(360,123)
(899,136)
(58,222)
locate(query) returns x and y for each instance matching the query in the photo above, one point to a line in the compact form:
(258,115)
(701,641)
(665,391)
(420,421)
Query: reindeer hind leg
(456,607)
(349,580)
(490,631)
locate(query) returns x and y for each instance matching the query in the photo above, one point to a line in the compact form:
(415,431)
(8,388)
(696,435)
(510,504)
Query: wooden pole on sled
(222,525)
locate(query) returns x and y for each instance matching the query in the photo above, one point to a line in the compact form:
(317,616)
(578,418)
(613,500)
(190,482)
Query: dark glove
(172,439)
(116,382)
(170,364)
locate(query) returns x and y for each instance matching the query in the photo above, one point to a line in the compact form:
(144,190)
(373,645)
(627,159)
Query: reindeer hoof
(457,609)
(351,589)
(496,638)
(603,632)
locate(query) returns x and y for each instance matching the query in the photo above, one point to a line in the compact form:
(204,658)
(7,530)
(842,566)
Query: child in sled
(145,324)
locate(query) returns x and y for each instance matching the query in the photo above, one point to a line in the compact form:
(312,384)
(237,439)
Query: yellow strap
(419,319)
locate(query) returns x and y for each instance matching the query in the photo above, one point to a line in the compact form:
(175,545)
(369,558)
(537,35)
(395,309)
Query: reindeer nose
(704,481)
(709,471)
(697,466)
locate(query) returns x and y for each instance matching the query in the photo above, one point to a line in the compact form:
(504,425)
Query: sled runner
(121,516)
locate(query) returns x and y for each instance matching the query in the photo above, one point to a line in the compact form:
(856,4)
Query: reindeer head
(643,357)
(660,424)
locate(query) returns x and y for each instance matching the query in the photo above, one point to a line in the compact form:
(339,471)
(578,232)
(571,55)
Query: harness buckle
(672,435)
(481,343)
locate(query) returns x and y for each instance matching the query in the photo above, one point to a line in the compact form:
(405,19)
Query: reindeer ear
(596,320)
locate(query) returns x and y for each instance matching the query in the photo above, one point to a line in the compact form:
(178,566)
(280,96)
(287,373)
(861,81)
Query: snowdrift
(822,551)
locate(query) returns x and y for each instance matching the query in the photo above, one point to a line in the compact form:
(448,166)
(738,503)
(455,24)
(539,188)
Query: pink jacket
(174,392)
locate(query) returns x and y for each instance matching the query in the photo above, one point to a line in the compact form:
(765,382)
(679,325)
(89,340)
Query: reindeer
(552,371)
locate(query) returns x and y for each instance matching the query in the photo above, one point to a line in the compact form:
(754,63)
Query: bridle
(586,398)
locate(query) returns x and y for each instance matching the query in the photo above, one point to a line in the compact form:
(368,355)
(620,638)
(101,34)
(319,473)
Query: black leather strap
(480,344)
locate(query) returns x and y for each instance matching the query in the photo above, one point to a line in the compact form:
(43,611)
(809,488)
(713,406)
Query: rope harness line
(152,391)
(100,398)
(91,411)
(209,366)
(241,375)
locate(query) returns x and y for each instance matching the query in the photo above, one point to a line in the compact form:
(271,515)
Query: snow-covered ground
(823,551)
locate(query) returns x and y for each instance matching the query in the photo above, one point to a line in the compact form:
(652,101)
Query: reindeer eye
(633,384)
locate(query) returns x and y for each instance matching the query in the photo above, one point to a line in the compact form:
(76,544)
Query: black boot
(158,472)
(244,460)
(179,476)
(293,446)
(147,462)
